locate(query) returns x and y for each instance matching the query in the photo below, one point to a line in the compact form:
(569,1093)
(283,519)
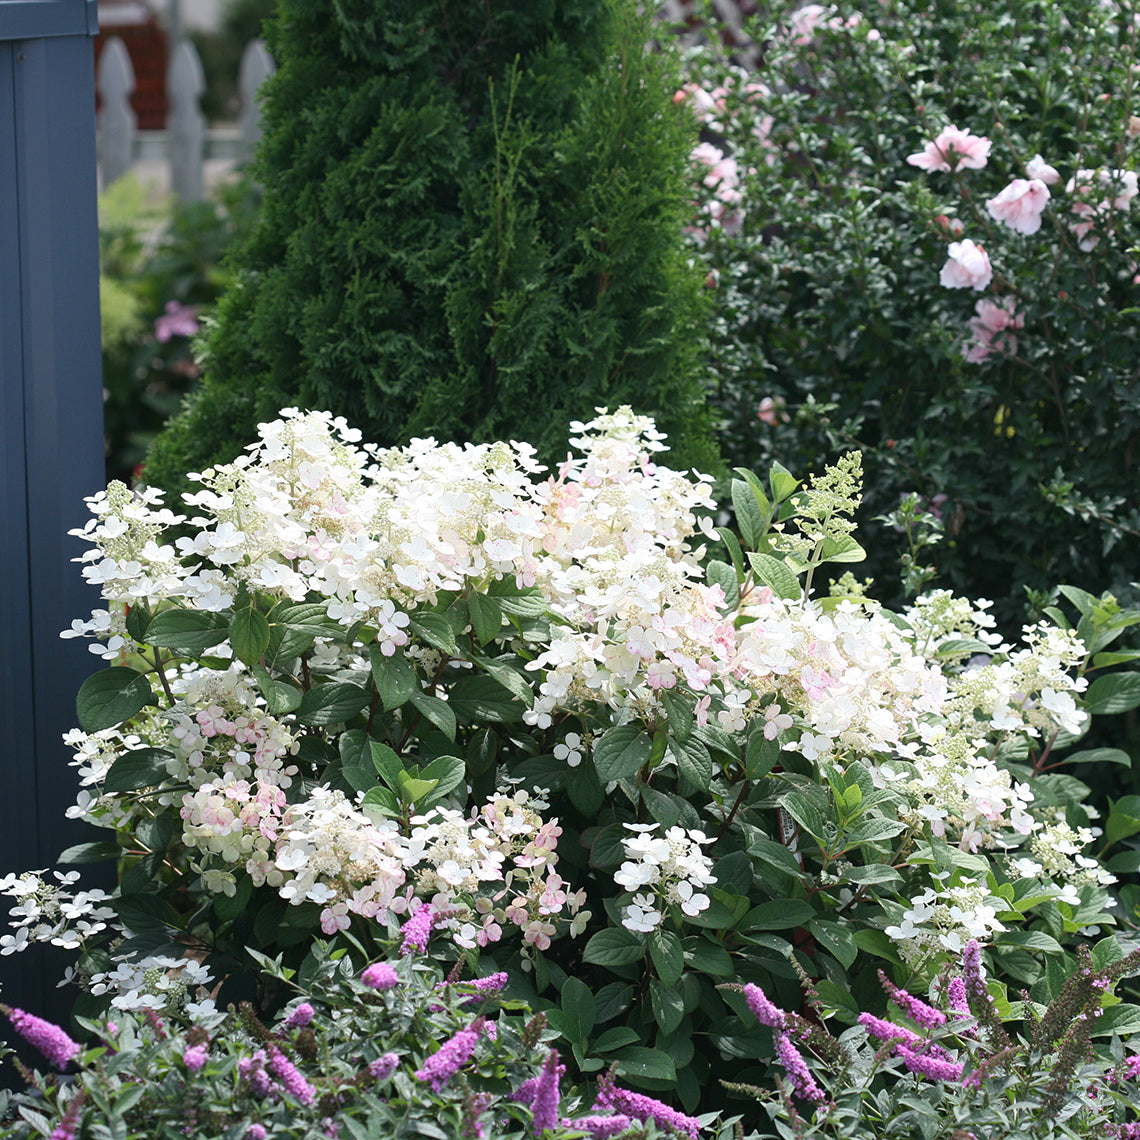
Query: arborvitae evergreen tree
(471,229)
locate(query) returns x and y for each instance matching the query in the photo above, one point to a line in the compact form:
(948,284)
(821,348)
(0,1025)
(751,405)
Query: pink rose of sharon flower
(1020,204)
(967,266)
(952,149)
(1037,167)
(993,330)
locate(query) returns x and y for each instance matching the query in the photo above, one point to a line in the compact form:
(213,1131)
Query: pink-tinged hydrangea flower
(953,149)
(195,1057)
(766,1013)
(451,1056)
(644,1108)
(1037,167)
(300,1016)
(417,930)
(380,976)
(178,320)
(1020,205)
(49,1039)
(993,330)
(289,1076)
(967,266)
(384,1066)
(798,1073)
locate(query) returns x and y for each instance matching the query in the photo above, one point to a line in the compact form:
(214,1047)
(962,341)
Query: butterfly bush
(558,721)
(340,1060)
(971,1068)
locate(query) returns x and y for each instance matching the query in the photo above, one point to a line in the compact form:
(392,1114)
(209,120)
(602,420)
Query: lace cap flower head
(953,149)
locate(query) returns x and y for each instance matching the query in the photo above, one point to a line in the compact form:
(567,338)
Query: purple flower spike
(766,1013)
(888,1031)
(600,1127)
(973,972)
(936,1068)
(452,1055)
(915,1008)
(956,996)
(49,1039)
(300,1016)
(417,930)
(195,1057)
(68,1124)
(379,976)
(798,1073)
(383,1067)
(289,1076)
(641,1107)
(544,1106)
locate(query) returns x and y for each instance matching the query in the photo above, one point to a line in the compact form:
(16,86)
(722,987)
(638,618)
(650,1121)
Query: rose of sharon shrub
(533,715)
(890,160)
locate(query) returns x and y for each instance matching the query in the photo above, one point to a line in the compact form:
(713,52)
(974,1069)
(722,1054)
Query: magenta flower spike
(766,1013)
(417,930)
(289,1076)
(49,1039)
(641,1107)
(379,976)
(547,1095)
(452,1055)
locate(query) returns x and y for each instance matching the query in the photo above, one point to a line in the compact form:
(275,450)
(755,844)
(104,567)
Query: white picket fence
(187,154)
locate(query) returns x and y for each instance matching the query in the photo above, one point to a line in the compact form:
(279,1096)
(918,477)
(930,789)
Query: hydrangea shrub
(572,728)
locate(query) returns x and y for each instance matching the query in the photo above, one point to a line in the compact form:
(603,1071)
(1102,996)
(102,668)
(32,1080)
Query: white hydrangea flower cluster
(958,789)
(169,986)
(946,919)
(494,869)
(940,616)
(852,678)
(1029,690)
(663,871)
(611,540)
(1059,850)
(51,912)
(331,854)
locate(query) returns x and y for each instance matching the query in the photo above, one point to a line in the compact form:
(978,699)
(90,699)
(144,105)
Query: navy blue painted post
(51,428)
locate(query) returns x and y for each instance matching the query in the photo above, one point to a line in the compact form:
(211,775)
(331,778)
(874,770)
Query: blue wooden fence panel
(51,432)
